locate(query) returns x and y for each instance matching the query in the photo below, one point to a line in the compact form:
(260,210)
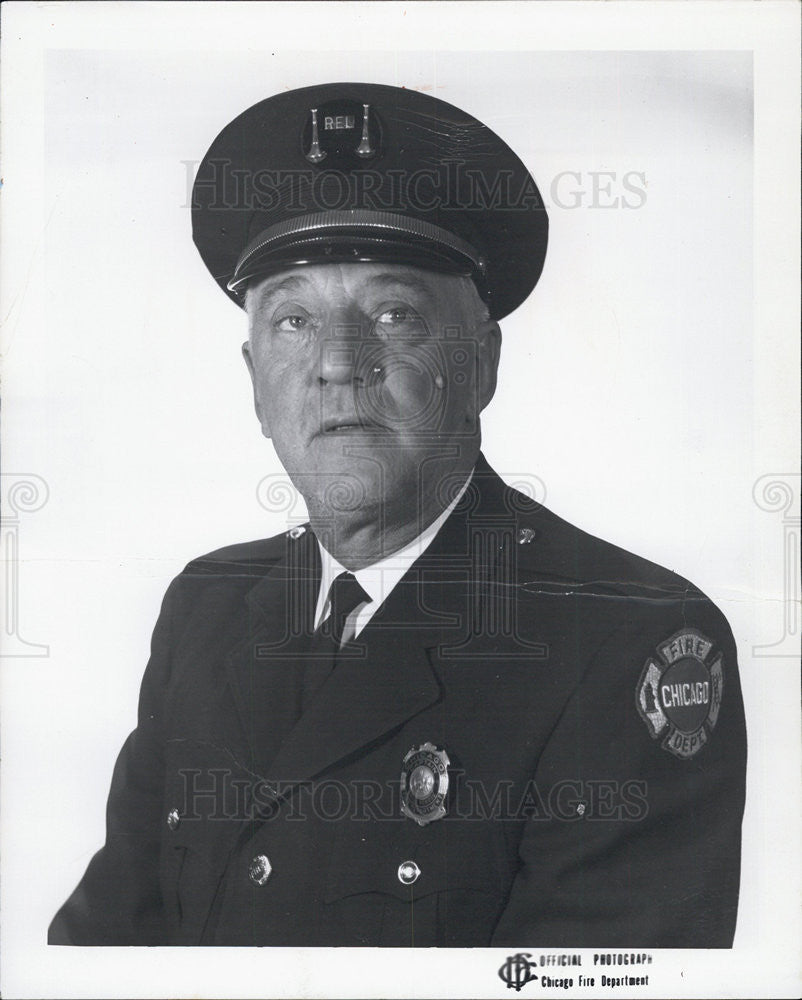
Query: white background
(648,382)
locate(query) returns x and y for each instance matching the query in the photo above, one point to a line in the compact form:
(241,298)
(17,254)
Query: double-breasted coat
(587,700)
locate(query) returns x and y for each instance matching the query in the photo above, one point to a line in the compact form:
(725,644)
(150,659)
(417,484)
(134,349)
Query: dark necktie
(345,595)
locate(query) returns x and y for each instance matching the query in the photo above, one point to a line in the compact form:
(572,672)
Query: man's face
(368,377)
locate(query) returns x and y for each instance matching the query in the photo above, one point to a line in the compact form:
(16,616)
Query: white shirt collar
(379,579)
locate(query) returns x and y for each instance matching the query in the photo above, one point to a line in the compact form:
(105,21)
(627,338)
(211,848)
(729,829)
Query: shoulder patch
(679,692)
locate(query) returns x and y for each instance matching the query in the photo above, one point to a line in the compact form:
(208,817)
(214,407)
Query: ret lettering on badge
(337,122)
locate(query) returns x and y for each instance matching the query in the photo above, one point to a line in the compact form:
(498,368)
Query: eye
(394,316)
(399,321)
(292,323)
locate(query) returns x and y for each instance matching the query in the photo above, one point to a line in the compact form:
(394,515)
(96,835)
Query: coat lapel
(381,681)
(265,668)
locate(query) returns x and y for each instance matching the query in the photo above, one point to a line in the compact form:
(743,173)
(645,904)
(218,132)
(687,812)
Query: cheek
(274,372)
(407,394)
(279,392)
(460,406)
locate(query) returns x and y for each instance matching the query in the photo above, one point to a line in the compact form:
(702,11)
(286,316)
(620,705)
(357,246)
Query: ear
(488,335)
(257,404)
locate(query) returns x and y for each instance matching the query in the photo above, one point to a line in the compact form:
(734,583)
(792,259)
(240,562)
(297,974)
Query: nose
(342,349)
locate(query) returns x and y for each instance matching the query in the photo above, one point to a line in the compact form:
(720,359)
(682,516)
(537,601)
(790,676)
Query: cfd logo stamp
(679,692)
(517,971)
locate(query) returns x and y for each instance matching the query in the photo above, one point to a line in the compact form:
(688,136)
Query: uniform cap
(367,172)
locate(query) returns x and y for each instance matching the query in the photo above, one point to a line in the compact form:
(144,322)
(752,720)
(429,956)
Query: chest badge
(679,692)
(424,784)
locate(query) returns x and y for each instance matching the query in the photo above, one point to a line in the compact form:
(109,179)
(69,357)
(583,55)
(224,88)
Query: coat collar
(388,676)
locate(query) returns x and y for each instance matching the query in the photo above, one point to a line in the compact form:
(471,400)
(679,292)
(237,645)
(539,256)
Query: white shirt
(378,579)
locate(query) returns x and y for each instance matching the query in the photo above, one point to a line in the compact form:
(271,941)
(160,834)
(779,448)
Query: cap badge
(424,784)
(364,148)
(315,154)
(679,692)
(344,133)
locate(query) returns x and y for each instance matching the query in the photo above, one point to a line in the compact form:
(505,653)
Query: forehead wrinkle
(410,280)
(267,289)
(431,287)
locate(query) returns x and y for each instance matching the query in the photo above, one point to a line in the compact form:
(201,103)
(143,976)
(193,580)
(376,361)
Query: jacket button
(259,869)
(408,872)
(173,819)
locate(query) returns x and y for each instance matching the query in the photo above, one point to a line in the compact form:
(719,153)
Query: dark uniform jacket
(588,702)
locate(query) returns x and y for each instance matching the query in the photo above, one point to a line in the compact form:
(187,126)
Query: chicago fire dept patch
(679,692)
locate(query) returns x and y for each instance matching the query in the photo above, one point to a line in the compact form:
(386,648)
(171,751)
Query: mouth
(350,425)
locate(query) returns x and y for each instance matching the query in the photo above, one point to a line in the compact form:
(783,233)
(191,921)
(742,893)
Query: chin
(337,482)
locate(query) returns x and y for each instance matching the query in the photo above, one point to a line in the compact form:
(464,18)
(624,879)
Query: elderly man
(437,714)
